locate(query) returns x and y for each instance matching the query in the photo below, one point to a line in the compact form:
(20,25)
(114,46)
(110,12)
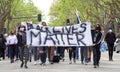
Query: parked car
(117,45)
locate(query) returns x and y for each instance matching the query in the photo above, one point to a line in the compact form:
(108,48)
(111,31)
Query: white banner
(75,35)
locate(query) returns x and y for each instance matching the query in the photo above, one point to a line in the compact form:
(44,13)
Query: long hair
(98,27)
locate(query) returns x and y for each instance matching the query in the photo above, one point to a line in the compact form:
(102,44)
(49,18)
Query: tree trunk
(1,26)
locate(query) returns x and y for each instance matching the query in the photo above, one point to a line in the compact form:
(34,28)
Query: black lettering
(83,26)
(74,30)
(69,39)
(35,35)
(43,29)
(62,39)
(57,39)
(63,30)
(47,30)
(79,38)
(56,31)
(68,29)
(48,37)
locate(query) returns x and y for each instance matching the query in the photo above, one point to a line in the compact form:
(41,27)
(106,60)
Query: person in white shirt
(12,41)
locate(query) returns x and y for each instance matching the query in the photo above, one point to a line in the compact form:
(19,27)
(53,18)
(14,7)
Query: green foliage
(22,11)
(102,11)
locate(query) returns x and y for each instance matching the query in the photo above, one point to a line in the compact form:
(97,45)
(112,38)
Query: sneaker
(74,61)
(26,66)
(82,62)
(22,64)
(70,62)
(35,63)
(97,65)
(41,63)
(85,63)
(17,59)
(51,63)
(12,61)
(44,64)
(38,62)
(63,59)
(94,66)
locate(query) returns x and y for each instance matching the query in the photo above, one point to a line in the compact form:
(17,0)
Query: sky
(44,6)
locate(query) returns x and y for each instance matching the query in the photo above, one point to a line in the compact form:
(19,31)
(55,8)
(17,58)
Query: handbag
(103,47)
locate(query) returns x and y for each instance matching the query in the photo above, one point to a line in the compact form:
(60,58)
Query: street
(105,65)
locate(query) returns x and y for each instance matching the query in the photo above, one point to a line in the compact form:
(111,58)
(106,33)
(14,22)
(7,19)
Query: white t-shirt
(12,39)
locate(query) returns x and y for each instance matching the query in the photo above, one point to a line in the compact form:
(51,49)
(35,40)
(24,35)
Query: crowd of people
(15,48)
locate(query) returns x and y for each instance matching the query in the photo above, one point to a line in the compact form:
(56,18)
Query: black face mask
(12,33)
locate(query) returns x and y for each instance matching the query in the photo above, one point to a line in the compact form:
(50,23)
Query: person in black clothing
(24,50)
(2,46)
(96,35)
(43,50)
(110,39)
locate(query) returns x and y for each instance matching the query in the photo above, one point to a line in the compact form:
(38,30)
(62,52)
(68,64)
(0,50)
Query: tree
(5,9)
(103,11)
(13,12)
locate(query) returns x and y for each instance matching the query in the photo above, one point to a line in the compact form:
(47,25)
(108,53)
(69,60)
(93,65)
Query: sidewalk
(105,66)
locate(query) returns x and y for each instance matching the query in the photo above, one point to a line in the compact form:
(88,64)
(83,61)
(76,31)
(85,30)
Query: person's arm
(16,40)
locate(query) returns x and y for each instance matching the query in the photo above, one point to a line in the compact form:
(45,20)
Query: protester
(43,51)
(23,48)
(96,45)
(12,42)
(110,39)
(2,46)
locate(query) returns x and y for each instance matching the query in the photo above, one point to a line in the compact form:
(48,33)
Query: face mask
(21,29)
(12,33)
(20,33)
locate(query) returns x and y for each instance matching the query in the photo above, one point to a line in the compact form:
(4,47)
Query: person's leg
(86,54)
(21,52)
(77,53)
(110,52)
(35,53)
(52,54)
(62,53)
(11,53)
(17,53)
(81,53)
(14,51)
(43,58)
(94,57)
(26,63)
(58,50)
(49,50)
(98,54)
(74,54)
(26,55)
(0,53)
(89,53)
(70,55)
